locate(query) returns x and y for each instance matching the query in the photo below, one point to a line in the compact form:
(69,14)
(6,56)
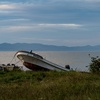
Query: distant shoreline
(42,47)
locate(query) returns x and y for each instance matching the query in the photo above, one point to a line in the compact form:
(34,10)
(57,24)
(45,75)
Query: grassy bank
(49,86)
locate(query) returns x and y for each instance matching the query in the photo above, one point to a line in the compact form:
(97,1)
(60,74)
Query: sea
(76,60)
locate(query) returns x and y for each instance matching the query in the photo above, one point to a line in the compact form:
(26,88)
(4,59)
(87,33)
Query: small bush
(95,65)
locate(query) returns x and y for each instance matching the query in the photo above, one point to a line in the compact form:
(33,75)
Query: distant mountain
(42,47)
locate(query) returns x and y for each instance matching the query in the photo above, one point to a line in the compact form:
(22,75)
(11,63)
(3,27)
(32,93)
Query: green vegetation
(51,85)
(94,66)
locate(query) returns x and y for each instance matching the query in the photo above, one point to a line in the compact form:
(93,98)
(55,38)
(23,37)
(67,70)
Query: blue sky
(52,22)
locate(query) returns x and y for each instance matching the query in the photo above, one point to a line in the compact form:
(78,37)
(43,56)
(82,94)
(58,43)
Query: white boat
(36,62)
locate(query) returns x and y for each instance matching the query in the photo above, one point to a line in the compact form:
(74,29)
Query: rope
(17,62)
(13,59)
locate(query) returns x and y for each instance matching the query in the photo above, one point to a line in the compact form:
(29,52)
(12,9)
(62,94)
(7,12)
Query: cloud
(7,6)
(52,21)
(38,39)
(13,20)
(67,42)
(78,0)
(59,25)
(45,12)
(42,11)
(92,0)
(47,3)
(39,27)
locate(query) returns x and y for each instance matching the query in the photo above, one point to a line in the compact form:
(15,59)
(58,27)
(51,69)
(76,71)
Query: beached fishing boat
(36,62)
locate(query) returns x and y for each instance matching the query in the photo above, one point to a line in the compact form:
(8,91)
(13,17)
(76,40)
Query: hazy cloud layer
(59,22)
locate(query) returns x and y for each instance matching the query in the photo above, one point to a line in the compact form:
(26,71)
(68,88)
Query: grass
(49,85)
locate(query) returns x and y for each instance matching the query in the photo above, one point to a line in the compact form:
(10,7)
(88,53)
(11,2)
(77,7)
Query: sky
(51,22)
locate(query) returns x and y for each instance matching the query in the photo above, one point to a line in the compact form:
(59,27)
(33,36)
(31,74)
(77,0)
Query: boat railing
(34,54)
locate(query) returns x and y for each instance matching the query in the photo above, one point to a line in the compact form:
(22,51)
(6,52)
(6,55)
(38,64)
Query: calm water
(76,60)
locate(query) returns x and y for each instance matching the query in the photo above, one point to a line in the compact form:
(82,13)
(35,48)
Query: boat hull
(34,67)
